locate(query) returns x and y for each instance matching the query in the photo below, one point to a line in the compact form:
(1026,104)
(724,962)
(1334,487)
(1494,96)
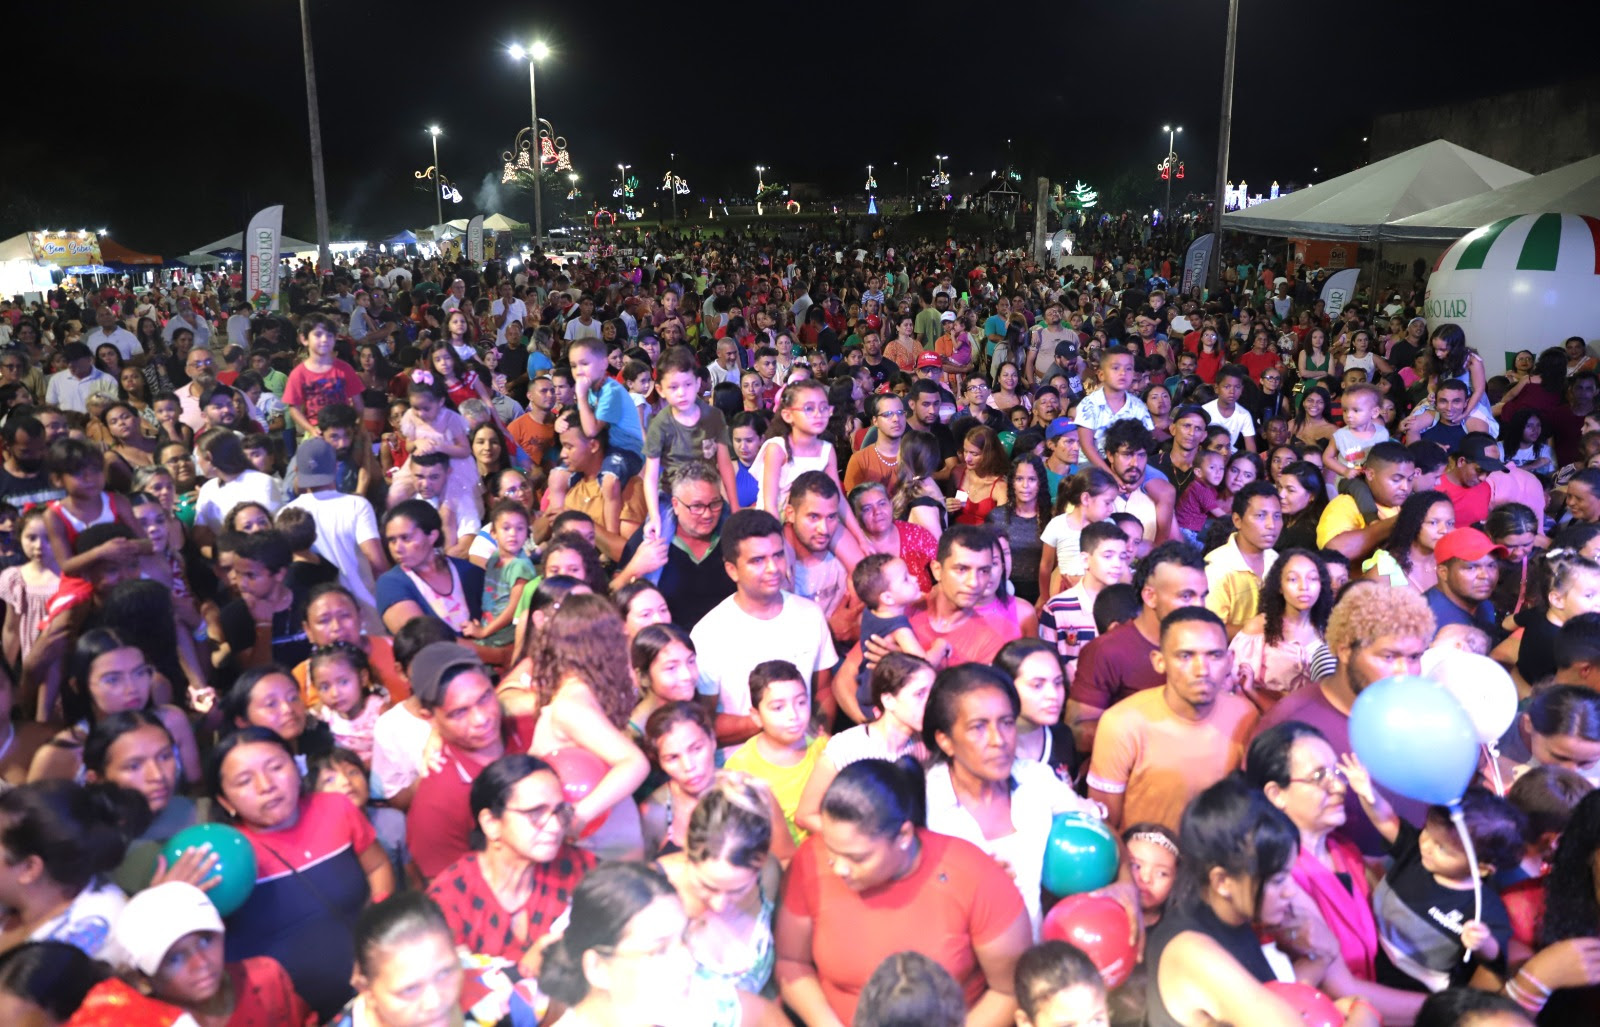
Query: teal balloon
(1080,856)
(1414,738)
(235,873)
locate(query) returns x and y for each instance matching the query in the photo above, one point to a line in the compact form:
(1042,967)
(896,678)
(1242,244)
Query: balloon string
(1493,752)
(1458,819)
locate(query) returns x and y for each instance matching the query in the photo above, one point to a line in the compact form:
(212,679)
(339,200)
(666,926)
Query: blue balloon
(1415,739)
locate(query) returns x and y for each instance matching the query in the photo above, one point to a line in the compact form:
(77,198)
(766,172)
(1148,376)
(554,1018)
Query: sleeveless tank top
(1239,942)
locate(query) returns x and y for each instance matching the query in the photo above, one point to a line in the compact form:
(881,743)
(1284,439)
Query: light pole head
(1180,129)
(538,51)
(1166,128)
(516,51)
(435,130)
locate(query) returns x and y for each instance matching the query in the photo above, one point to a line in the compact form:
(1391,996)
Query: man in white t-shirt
(347,527)
(110,332)
(1226,411)
(759,622)
(507,309)
(584,326)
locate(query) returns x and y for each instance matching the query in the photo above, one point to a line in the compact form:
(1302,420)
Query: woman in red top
(874,882)
(982,475)
(505,896)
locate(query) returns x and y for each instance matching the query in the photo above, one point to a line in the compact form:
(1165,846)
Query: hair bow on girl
(422,377)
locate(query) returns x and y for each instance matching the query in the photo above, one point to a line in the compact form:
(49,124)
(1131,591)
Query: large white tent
(234,244)
(1357,205)
(1574,189)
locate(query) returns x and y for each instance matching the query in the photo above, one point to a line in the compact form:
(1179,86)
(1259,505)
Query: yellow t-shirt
(787,783)
(1339,516)
(1342,515)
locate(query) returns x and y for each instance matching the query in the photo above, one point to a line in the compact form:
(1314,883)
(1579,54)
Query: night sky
(171,124)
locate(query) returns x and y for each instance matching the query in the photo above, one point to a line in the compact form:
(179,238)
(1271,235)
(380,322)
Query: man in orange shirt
(1159,748)
(535,431)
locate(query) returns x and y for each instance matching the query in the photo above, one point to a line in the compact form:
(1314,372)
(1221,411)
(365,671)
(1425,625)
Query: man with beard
(1159,748)
(1374,633)
(877,461)
(1469,568)
(534,432)
(1236,569)
(202,372)
(811,518)
(1128,448)
(23,479)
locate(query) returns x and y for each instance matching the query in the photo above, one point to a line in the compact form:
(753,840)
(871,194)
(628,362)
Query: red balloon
(579,770)
(1315,1008)
(1099,926)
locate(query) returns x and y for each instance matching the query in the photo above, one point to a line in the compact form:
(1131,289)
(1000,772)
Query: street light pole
(438,177)
(538,162)
(319,185)
(533,54)
(1224,133)
(1171,164)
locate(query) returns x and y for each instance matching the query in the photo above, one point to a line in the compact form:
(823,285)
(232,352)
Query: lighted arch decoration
(793,206)
(602,212)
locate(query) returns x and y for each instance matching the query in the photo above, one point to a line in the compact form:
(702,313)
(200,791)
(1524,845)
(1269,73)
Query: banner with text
(261,263)
(1338,290)
(1197,261)
(475,240)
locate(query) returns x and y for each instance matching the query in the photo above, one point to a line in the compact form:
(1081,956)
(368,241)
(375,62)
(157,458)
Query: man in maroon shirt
(1375,632)
(457,694)
(1118,663)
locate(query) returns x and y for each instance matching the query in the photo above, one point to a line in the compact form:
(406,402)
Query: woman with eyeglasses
(1296,769)
(513,890)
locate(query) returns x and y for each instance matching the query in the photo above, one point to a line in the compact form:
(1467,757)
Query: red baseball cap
(929,360)
(1468,544)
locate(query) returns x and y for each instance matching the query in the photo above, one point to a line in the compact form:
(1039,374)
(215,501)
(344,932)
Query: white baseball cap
(157,918)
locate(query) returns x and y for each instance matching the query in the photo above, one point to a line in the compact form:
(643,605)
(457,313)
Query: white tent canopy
(1574,189)
(286,245)
(501,223)
(1357,205)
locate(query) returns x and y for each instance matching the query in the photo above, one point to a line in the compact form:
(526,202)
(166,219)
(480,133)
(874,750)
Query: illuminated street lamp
(533,54)
(1170,166)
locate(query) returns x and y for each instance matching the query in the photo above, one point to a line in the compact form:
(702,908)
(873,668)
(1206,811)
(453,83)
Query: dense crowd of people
(711,633)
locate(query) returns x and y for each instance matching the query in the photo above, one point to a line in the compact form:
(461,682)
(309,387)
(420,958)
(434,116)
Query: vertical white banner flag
(1197,261)
(1338,290)
(261,264)
(475,240)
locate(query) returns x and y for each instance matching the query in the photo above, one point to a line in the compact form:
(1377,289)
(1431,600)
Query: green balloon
(1080,856)
(234,878)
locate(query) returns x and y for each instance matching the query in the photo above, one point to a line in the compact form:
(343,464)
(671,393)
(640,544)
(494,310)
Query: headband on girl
(1156,839)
